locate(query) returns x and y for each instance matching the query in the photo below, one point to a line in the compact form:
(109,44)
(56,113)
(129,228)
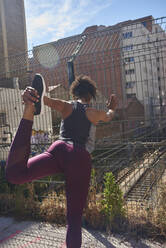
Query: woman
(67,155)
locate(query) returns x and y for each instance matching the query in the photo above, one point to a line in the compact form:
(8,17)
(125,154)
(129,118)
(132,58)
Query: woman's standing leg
(77,172)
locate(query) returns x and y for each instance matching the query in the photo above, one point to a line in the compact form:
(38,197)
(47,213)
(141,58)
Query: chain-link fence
(129,60)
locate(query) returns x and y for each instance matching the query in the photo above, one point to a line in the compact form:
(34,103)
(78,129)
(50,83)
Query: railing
(128,60)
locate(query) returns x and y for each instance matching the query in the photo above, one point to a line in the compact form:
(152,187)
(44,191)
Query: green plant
(112,200)
(92,212)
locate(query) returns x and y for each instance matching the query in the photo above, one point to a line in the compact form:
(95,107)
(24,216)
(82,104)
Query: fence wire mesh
(129,60)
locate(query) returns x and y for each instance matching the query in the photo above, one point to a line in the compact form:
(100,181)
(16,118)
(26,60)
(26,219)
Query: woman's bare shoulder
(68,108)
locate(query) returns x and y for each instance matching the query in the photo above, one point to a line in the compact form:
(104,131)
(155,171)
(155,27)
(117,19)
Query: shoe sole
(43,93)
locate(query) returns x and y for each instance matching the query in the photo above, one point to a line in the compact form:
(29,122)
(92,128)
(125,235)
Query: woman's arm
(59,105)
(111,105)
(54,103)
(106,116)
(30,96)
(99,115)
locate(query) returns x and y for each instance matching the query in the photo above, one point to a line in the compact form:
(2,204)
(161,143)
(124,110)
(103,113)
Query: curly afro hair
(83,87)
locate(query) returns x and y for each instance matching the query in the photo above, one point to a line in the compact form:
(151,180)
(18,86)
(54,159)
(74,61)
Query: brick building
(98,57)
(126,59)
(116,57)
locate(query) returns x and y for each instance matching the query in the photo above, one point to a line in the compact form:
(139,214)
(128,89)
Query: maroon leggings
(61,157)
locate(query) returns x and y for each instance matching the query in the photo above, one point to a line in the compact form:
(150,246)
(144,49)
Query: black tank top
(76,127)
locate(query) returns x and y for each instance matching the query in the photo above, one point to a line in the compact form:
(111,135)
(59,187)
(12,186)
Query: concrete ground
(21,234)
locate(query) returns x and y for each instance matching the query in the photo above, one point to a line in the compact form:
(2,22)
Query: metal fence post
(70,71)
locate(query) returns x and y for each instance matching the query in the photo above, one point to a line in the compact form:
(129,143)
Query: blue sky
(54,19)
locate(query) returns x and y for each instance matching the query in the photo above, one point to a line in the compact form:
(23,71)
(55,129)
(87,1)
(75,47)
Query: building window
(130,85)
(145,94)
(2,119)
(129,59)
(145,69)
(127,35)
(130,71)
(128,48)
(132,95)
(145,24)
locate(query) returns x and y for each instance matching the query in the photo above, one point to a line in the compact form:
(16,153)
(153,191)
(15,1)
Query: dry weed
(53,208)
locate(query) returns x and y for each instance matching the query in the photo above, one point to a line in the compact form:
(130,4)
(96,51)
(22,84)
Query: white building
(11,110)
(142,53)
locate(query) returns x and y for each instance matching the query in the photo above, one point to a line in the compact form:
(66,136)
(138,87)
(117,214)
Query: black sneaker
(39,85)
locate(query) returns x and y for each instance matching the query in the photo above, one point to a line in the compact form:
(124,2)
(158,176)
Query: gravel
(23,234)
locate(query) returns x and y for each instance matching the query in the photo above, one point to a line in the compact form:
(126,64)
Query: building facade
(143,56)
(127,59)
(13,43)
(11,111)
